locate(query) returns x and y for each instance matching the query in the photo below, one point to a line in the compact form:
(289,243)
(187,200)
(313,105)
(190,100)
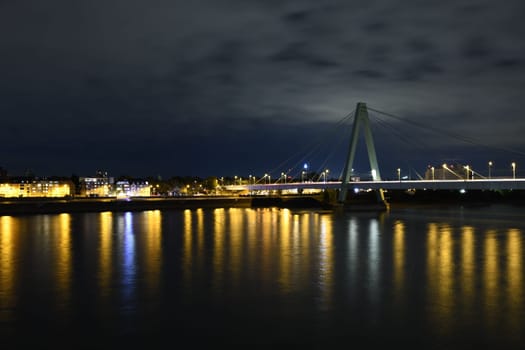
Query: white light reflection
(374,259)
(128,256)
(353,251)
(326,260)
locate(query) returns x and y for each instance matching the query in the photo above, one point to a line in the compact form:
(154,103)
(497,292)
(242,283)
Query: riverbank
(24,206)
(361,202)
(75,205)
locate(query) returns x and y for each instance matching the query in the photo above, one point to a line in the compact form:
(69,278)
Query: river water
(434,278)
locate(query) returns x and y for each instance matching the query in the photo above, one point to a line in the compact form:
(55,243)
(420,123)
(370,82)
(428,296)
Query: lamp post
(490,168)
(399,174)
(432,173)
(283,177)
(513,170)
(305,167)
(324,173)
(467,171)
(444,168)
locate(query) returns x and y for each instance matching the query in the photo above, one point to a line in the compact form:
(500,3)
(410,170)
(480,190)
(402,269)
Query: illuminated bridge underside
(481,184)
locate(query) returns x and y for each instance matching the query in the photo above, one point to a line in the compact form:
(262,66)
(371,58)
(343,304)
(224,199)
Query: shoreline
(28,206)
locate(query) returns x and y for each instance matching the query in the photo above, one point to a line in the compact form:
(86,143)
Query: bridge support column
(360,121)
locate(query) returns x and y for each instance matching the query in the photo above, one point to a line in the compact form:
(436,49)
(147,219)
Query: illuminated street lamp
(283,176)
(444,168)
(305,167)
(490,168)
(432,173)
(513,170)
(324,173)
(399,174)
(466,171)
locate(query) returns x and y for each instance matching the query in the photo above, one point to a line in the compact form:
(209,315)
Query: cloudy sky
(238,87)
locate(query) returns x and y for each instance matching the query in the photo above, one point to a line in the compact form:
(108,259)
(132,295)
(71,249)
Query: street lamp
(466,171)
(490,168)
(513,170)
(324,175)
(432,173)
(305,167)
(399,174)
(444,168)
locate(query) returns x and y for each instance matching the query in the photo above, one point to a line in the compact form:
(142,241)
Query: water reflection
(218,249)
(61,232)
(398,247)
(447,276)
(153,259)
(126,252)
(514,276)
(440,274)
(105,250)
(187,252)
(9,237)
(326,259)
(374,261)
(490,276)
(468,269)
(353,251)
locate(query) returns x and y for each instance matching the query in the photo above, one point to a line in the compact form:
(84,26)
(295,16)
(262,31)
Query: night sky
(239,87)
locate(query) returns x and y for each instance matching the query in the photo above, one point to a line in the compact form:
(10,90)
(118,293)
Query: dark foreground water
(264,278)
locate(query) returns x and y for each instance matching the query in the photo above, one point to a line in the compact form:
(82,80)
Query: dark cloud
(163,86)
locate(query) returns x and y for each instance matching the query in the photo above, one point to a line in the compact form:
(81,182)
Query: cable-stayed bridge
(445,177)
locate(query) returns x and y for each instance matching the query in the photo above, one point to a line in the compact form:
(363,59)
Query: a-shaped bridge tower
(361,121)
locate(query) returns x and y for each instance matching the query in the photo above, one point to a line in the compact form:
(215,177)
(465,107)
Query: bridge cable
(315,148)
(393,133)
(448,133)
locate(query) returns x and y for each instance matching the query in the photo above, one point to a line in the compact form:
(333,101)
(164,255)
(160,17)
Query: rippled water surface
(434,278)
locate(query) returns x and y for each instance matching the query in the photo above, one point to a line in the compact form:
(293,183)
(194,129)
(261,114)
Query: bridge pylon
(360,121)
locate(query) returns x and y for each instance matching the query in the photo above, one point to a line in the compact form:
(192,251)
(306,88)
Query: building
(100,185)
(36,188)
(125,188)
(103,185)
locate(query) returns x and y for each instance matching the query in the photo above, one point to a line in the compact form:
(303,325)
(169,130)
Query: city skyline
(238,88)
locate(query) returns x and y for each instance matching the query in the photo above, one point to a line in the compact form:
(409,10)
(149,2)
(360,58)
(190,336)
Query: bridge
(476,184)
(444,178)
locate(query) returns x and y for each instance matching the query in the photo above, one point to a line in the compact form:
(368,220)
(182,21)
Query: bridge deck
(476,184)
